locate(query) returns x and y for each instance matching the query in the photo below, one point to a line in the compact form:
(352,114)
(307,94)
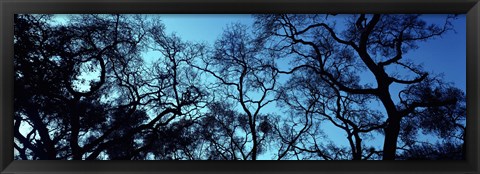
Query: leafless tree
(374,43)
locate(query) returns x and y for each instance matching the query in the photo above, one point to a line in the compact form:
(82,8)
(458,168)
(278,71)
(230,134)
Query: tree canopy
(85,90)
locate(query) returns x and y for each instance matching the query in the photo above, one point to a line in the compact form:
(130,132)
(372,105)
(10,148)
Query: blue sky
(203,27)
(442,55)
(445,55)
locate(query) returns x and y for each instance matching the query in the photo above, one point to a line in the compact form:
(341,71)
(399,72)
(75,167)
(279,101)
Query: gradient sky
(442,55)
(445,55)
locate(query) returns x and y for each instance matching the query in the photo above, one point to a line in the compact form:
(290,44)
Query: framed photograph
(166,86)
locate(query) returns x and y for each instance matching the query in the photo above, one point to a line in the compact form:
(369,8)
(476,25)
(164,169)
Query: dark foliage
(85,90)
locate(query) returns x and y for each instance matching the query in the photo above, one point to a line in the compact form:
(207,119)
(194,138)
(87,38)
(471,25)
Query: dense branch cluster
(100,87)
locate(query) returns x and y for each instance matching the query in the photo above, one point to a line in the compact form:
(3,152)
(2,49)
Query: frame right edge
(473,88)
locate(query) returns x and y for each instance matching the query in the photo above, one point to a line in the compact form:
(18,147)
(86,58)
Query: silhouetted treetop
(289,87)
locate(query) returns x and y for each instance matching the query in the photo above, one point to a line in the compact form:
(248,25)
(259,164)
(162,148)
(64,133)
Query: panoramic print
(239,87)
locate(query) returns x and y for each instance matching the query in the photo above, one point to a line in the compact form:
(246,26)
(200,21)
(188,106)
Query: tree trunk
(393,122)
(251,122)
(75,126)
(358,146)
(391,136)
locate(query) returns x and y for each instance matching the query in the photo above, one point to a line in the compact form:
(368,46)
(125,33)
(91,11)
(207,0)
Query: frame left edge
(6,138)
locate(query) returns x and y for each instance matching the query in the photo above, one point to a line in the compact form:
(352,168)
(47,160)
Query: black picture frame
(10,7)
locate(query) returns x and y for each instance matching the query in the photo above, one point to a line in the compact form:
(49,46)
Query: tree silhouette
(375,43)
(317,101)
(108,114)
(118,87)
(238,64)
